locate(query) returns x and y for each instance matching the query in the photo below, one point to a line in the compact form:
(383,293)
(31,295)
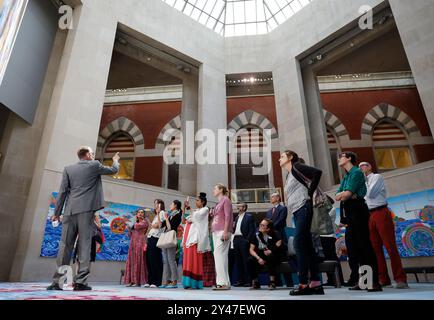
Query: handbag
(167,240)
(322,223)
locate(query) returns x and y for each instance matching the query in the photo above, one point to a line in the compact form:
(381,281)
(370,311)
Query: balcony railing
(259,195)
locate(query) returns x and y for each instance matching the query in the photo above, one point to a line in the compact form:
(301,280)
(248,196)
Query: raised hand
(116,157)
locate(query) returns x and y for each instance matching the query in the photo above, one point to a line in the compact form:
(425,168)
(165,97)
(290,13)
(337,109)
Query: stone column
(187,171)
(73,120)
(20,146)
(212,115)
(292,120)
(415,23)
(291,112)
(317,129)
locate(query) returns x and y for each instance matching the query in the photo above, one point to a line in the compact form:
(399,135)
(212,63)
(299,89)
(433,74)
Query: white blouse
(297,194)
(156,233)
(199,230)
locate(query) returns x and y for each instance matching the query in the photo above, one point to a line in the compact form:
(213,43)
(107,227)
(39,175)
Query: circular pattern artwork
(418,238)
(118,226)
(427,213)
(341,247)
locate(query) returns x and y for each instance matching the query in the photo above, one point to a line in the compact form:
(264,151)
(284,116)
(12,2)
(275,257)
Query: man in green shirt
(354,182)
(355,213)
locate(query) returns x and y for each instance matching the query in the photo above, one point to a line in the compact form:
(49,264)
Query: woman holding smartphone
(221,233)
(154,258)
(195,243)
(136,272)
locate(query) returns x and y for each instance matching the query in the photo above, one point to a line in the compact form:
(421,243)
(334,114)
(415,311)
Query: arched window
(391,146)
(336,132)
(169,142)
(250,152)
(124,144)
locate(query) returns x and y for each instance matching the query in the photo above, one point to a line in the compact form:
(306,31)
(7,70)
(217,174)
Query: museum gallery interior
(156,79)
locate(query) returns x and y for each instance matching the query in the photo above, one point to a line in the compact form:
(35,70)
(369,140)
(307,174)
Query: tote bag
(167,240)
(321,224)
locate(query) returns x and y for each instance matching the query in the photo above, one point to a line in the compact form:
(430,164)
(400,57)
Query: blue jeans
(303,245)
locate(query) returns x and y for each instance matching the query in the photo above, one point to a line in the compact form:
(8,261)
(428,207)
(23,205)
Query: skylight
(239,17)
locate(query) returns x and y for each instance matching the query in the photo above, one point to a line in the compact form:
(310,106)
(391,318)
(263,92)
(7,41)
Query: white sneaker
(146,285)
(153,286)
(402,285)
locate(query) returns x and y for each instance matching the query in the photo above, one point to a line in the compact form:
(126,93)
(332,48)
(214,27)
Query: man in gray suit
(81,193)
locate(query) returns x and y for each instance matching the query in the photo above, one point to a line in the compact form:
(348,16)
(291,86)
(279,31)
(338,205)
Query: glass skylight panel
(239,17)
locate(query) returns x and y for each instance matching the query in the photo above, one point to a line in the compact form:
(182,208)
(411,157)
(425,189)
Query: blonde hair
(222,187)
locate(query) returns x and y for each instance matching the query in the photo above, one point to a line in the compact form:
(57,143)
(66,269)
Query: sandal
(221,288)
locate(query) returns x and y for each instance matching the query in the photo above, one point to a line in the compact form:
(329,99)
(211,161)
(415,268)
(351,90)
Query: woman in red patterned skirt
(195,243)
(136,272)
(208,269)
(209,277)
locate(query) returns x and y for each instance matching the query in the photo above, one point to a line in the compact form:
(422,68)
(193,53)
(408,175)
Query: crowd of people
(214,241)
(263,247)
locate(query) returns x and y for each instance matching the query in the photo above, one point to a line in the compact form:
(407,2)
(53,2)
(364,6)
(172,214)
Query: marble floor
(36,291)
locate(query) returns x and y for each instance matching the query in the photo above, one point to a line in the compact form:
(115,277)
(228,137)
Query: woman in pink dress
(136,272)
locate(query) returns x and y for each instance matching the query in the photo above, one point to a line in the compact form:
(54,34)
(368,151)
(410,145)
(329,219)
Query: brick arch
(334,124)
(120,124)
(172,127)
(250,117)
(387,111)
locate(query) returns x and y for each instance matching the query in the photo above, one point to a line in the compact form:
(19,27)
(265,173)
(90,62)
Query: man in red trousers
(382,228)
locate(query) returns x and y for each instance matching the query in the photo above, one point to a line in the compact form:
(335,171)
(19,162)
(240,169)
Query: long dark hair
(295,157)
(161,203)
(178,205)
(270,225)
(203,199)
(271,231)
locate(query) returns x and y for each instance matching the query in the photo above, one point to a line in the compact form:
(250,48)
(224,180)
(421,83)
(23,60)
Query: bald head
(365,167)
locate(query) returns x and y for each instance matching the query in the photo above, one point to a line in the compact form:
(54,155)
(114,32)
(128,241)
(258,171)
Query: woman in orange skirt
(195,243)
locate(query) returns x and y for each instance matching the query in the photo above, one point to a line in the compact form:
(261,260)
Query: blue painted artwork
(113,219)
(413,215)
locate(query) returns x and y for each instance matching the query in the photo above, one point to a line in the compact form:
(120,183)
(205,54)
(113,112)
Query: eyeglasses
(263,225)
